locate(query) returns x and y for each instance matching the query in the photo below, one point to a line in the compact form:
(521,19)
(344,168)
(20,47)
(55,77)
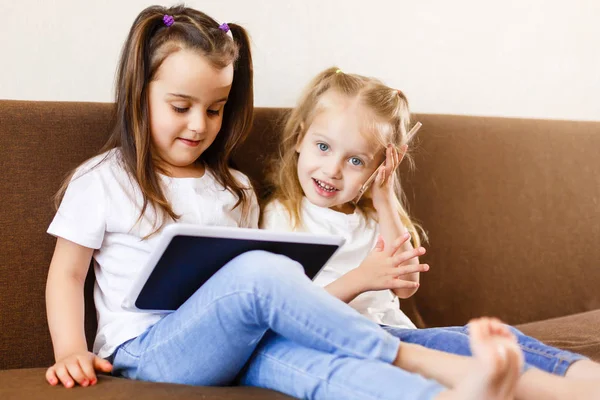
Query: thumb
(380,244)
(102,364)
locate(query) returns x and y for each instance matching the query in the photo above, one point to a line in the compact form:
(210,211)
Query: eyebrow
(188,97)
(365,155)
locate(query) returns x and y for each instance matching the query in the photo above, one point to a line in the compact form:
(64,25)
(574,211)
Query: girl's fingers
(77,373)
(105,365)
(402,284)
(87,366)
(389,160)
(51,376)
(397,245)
(403,256)
(498,328)
(64,377)
(379,245)
(393,158)
(410,269)
(381,176)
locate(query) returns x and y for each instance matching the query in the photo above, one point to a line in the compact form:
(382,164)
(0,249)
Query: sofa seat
(31,384)
(577,333)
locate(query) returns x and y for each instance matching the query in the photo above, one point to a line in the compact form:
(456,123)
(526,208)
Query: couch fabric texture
(511,207)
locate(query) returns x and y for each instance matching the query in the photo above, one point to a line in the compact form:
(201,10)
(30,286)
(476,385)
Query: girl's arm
(390,225)
(65,310)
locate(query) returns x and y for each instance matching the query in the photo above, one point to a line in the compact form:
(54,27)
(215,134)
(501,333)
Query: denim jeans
(455,340)
(283,365)
(317,346)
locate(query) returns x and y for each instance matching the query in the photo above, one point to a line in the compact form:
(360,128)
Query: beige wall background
(529,58)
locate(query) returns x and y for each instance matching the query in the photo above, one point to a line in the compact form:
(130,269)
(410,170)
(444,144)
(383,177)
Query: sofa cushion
(577,333)
(31,384)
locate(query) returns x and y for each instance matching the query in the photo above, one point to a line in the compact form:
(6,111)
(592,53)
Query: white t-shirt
(361,234)
(100,209)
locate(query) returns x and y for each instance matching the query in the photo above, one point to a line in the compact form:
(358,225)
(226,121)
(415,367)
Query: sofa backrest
(511,207)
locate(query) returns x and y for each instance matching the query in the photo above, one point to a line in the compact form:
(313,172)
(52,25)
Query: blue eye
(323,146)
(356,161)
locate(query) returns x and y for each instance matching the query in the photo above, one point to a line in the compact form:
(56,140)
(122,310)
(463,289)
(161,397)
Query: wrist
(67,352)
(355,281)
(385,205)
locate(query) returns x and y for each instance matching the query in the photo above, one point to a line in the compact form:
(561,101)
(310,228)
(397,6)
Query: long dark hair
(149,43)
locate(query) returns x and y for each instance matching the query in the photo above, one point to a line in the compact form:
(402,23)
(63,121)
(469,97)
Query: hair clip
(224,27)
(338,71)
(168,20)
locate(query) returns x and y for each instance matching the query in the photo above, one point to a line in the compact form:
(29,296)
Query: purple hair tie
(168,20)
(224,27)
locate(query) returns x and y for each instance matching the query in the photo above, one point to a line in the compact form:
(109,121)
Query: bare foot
(497,367)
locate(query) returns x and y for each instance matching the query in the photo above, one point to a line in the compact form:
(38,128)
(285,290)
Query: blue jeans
(455,340)
(317,346)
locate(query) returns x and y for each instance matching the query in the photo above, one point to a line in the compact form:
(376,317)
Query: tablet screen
(189,261)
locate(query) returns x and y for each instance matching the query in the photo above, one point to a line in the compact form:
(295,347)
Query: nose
(197,121)
(333,168)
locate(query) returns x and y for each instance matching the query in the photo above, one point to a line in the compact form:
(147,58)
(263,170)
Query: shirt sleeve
(276,218)
(81,217)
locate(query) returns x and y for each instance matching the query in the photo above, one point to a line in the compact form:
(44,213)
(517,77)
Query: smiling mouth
(325,186)
(190,142)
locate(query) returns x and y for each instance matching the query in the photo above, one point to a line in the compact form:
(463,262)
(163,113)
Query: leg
(455,340)
(584,369)
(283,365)
(306,373)
(208,339)
(535,383)
(559,363)
(448,369)
(446,351)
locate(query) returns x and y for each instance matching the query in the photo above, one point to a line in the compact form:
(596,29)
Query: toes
(500,329)
(514,365)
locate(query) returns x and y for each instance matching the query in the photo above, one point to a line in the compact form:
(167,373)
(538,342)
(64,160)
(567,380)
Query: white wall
(530,58)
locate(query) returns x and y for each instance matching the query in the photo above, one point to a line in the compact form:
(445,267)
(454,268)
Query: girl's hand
(382,268)
(383,186)
(78,367)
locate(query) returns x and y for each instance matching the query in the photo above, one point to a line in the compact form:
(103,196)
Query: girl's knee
(263,266)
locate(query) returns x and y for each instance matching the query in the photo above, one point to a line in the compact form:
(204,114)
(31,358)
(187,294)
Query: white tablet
(187,255)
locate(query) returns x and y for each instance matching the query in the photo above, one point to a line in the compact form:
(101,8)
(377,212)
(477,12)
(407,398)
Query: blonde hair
(390,111)
(149,43)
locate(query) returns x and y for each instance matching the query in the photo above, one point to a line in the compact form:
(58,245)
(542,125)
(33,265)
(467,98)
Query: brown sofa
(512,208)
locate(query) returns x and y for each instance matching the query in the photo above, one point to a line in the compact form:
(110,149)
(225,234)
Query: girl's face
(186,98)
(335,157)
